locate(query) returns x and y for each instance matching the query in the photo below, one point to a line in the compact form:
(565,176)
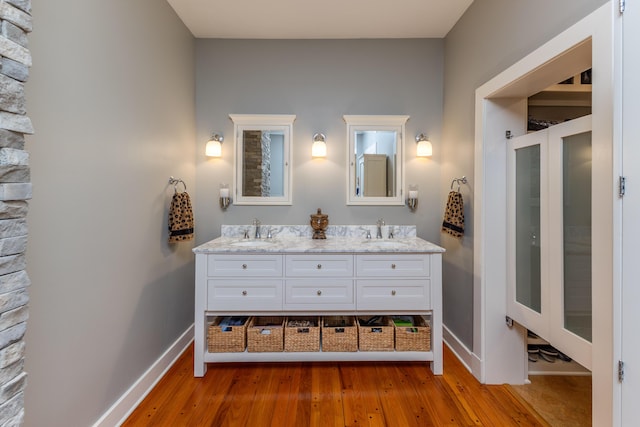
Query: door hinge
(509,321)
(622,186)
(622,5)
(620,371)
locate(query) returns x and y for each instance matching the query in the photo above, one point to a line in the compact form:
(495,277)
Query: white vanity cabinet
(396,282)
(318,284)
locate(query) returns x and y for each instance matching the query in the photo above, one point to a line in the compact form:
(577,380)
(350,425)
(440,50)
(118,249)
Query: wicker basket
(265,334)
(375,337)
(339,333)
(302,334)
(227,338)
(416,337)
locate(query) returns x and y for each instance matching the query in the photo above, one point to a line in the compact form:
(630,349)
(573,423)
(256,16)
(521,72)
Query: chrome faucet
(256,222)
(379,224)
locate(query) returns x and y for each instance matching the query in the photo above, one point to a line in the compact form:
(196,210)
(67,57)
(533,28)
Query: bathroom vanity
(291,274)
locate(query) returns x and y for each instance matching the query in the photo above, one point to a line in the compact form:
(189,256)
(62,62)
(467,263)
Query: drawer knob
(319,266)
(393,292)
(393,266)
(319,292)
(244,293)
(244,266)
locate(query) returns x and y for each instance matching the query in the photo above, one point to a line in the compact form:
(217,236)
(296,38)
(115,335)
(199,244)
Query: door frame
(501,107)
(630,352)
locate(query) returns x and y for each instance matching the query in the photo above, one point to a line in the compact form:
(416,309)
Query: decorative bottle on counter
(319,223)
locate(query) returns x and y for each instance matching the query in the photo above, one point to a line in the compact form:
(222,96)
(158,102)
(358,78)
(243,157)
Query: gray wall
(319,81)
(491,36)
(111,98)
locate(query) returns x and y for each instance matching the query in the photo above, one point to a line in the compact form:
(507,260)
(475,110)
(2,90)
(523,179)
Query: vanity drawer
(386,265)
(244,295)
(319,294)
(379,294)
(243,265)
(319,266)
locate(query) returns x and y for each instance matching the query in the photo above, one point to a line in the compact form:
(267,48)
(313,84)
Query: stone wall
(252,167)
(15,190)
(265,170)
(256,179)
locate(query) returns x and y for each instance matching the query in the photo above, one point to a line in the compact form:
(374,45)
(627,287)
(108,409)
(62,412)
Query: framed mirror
(262,166)
(375,160)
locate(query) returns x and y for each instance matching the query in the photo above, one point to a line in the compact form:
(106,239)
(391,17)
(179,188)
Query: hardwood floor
(548,395)
(329,394)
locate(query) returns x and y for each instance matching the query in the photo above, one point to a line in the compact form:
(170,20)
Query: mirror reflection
(375,161)
(375,153)
(263,156)
(263,163)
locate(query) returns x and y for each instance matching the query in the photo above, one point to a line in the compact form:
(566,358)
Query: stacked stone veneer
(15,190)
(256,180)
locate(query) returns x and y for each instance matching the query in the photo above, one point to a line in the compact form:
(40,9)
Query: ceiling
(325,19)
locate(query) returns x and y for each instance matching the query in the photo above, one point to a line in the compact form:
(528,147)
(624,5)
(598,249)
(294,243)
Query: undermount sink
(251,243)
(385,243)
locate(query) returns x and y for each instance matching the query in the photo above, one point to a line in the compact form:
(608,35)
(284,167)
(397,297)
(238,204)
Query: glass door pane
(576,153)
(527,227)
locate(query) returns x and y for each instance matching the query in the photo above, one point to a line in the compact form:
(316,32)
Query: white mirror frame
(273,122)
(375,123)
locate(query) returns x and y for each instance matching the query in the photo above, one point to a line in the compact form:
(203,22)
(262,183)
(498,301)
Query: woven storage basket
(302,334)
(227,339)
(339,333)
(416,337)
(378,337)
(265,334)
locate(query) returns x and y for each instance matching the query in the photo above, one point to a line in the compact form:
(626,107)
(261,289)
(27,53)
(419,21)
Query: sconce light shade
(424,146)
(319,147)
(214,146)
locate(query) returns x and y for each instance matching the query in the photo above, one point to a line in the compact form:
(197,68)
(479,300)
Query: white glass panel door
(550,206)
(570,192)
(527,177)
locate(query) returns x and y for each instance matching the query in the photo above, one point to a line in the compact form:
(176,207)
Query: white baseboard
(120,411)
(466,356)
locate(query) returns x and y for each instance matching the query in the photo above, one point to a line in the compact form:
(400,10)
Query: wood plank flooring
(548,395)
(329,394)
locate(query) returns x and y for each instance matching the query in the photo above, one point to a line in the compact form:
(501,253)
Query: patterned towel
(454,215)
(180,218)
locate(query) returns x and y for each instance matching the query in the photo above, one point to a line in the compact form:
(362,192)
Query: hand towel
(180,218)
(454,215)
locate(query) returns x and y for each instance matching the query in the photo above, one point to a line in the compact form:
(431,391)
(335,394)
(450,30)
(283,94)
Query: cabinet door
(244,295)
(319,265)
(387,294)
(244,265)
(404,265)
(319,294)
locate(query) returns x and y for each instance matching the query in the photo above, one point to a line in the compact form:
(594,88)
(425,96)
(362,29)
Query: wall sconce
(412,199)
(214,146)
(319,147)
(225,196)
(424,146)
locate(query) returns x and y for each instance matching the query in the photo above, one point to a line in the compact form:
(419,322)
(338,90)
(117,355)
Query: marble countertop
(297,239)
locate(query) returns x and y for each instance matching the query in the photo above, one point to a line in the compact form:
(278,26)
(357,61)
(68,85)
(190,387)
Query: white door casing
(630,294)
(494,342)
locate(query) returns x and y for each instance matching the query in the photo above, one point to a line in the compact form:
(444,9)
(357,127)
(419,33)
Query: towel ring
(462,180)
(175,183)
